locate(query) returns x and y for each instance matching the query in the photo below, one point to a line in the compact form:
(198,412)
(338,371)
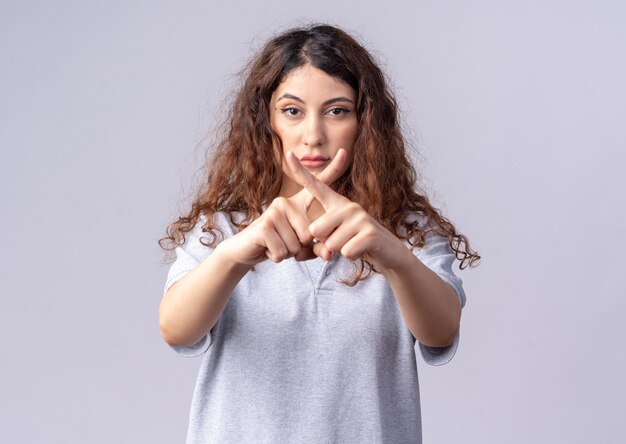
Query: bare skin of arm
(193,305)
(429,305)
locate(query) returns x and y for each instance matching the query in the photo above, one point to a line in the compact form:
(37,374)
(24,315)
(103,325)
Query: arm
(193,305)
(429,305)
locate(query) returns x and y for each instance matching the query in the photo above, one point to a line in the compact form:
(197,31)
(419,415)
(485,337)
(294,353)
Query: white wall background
(518,109)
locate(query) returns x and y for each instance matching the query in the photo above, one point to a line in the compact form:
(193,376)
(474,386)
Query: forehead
(310,82)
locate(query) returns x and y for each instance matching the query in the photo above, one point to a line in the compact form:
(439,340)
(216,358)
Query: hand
(346,227)
(282,230)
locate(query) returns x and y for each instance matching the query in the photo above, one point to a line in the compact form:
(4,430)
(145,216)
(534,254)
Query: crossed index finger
(326,176)
(314,185)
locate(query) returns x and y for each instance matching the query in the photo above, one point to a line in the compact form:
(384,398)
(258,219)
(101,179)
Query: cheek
(349,132)
(284,141)
(349,143)
(283,131)
(348,139)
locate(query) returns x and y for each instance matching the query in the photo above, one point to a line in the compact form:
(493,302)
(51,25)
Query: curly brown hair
(243,175)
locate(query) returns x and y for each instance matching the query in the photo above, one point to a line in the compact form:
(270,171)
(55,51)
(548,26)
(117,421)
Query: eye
(342,111)
(288,111)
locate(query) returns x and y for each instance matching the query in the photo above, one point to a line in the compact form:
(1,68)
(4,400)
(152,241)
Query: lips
(311,161)
(312,157)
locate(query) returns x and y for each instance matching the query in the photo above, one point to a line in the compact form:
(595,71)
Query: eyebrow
(328,102)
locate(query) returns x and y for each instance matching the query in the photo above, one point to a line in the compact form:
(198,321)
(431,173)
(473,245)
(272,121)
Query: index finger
(308,181)
(333,169)
(327,176)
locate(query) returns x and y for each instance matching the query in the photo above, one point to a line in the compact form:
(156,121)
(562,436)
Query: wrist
(389,254)
(223,253)
(397,260)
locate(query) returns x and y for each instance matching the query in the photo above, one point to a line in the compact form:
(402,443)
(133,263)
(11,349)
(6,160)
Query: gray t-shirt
(297,356)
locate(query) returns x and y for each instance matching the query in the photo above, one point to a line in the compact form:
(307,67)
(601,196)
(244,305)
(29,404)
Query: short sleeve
(188,256)
(437,254)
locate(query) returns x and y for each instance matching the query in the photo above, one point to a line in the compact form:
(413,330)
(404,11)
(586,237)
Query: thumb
(320,250)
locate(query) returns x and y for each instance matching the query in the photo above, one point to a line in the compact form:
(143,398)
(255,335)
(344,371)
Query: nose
(313,132)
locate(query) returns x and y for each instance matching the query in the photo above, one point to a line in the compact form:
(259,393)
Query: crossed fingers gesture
(282,230)
(345,227)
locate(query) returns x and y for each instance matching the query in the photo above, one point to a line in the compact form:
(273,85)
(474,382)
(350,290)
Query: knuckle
(355,208)
(364,219)
(305,237)
(279,202)
(265,227)
(282,253)
(369,232)
(275,259)
(291,247)
(347,253)
(270,212)
(330,246)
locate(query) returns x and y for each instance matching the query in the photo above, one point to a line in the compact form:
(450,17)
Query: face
(314,115)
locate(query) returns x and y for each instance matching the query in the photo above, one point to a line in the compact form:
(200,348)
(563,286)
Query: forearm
(429,305)
(193,305)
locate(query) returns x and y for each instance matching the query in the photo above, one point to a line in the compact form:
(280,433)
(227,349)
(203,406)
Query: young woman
(309,266)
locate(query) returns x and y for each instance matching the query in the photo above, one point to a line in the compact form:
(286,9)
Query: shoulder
(208,231)
(225,221)
(415,216)
(428,232)
(411,217)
